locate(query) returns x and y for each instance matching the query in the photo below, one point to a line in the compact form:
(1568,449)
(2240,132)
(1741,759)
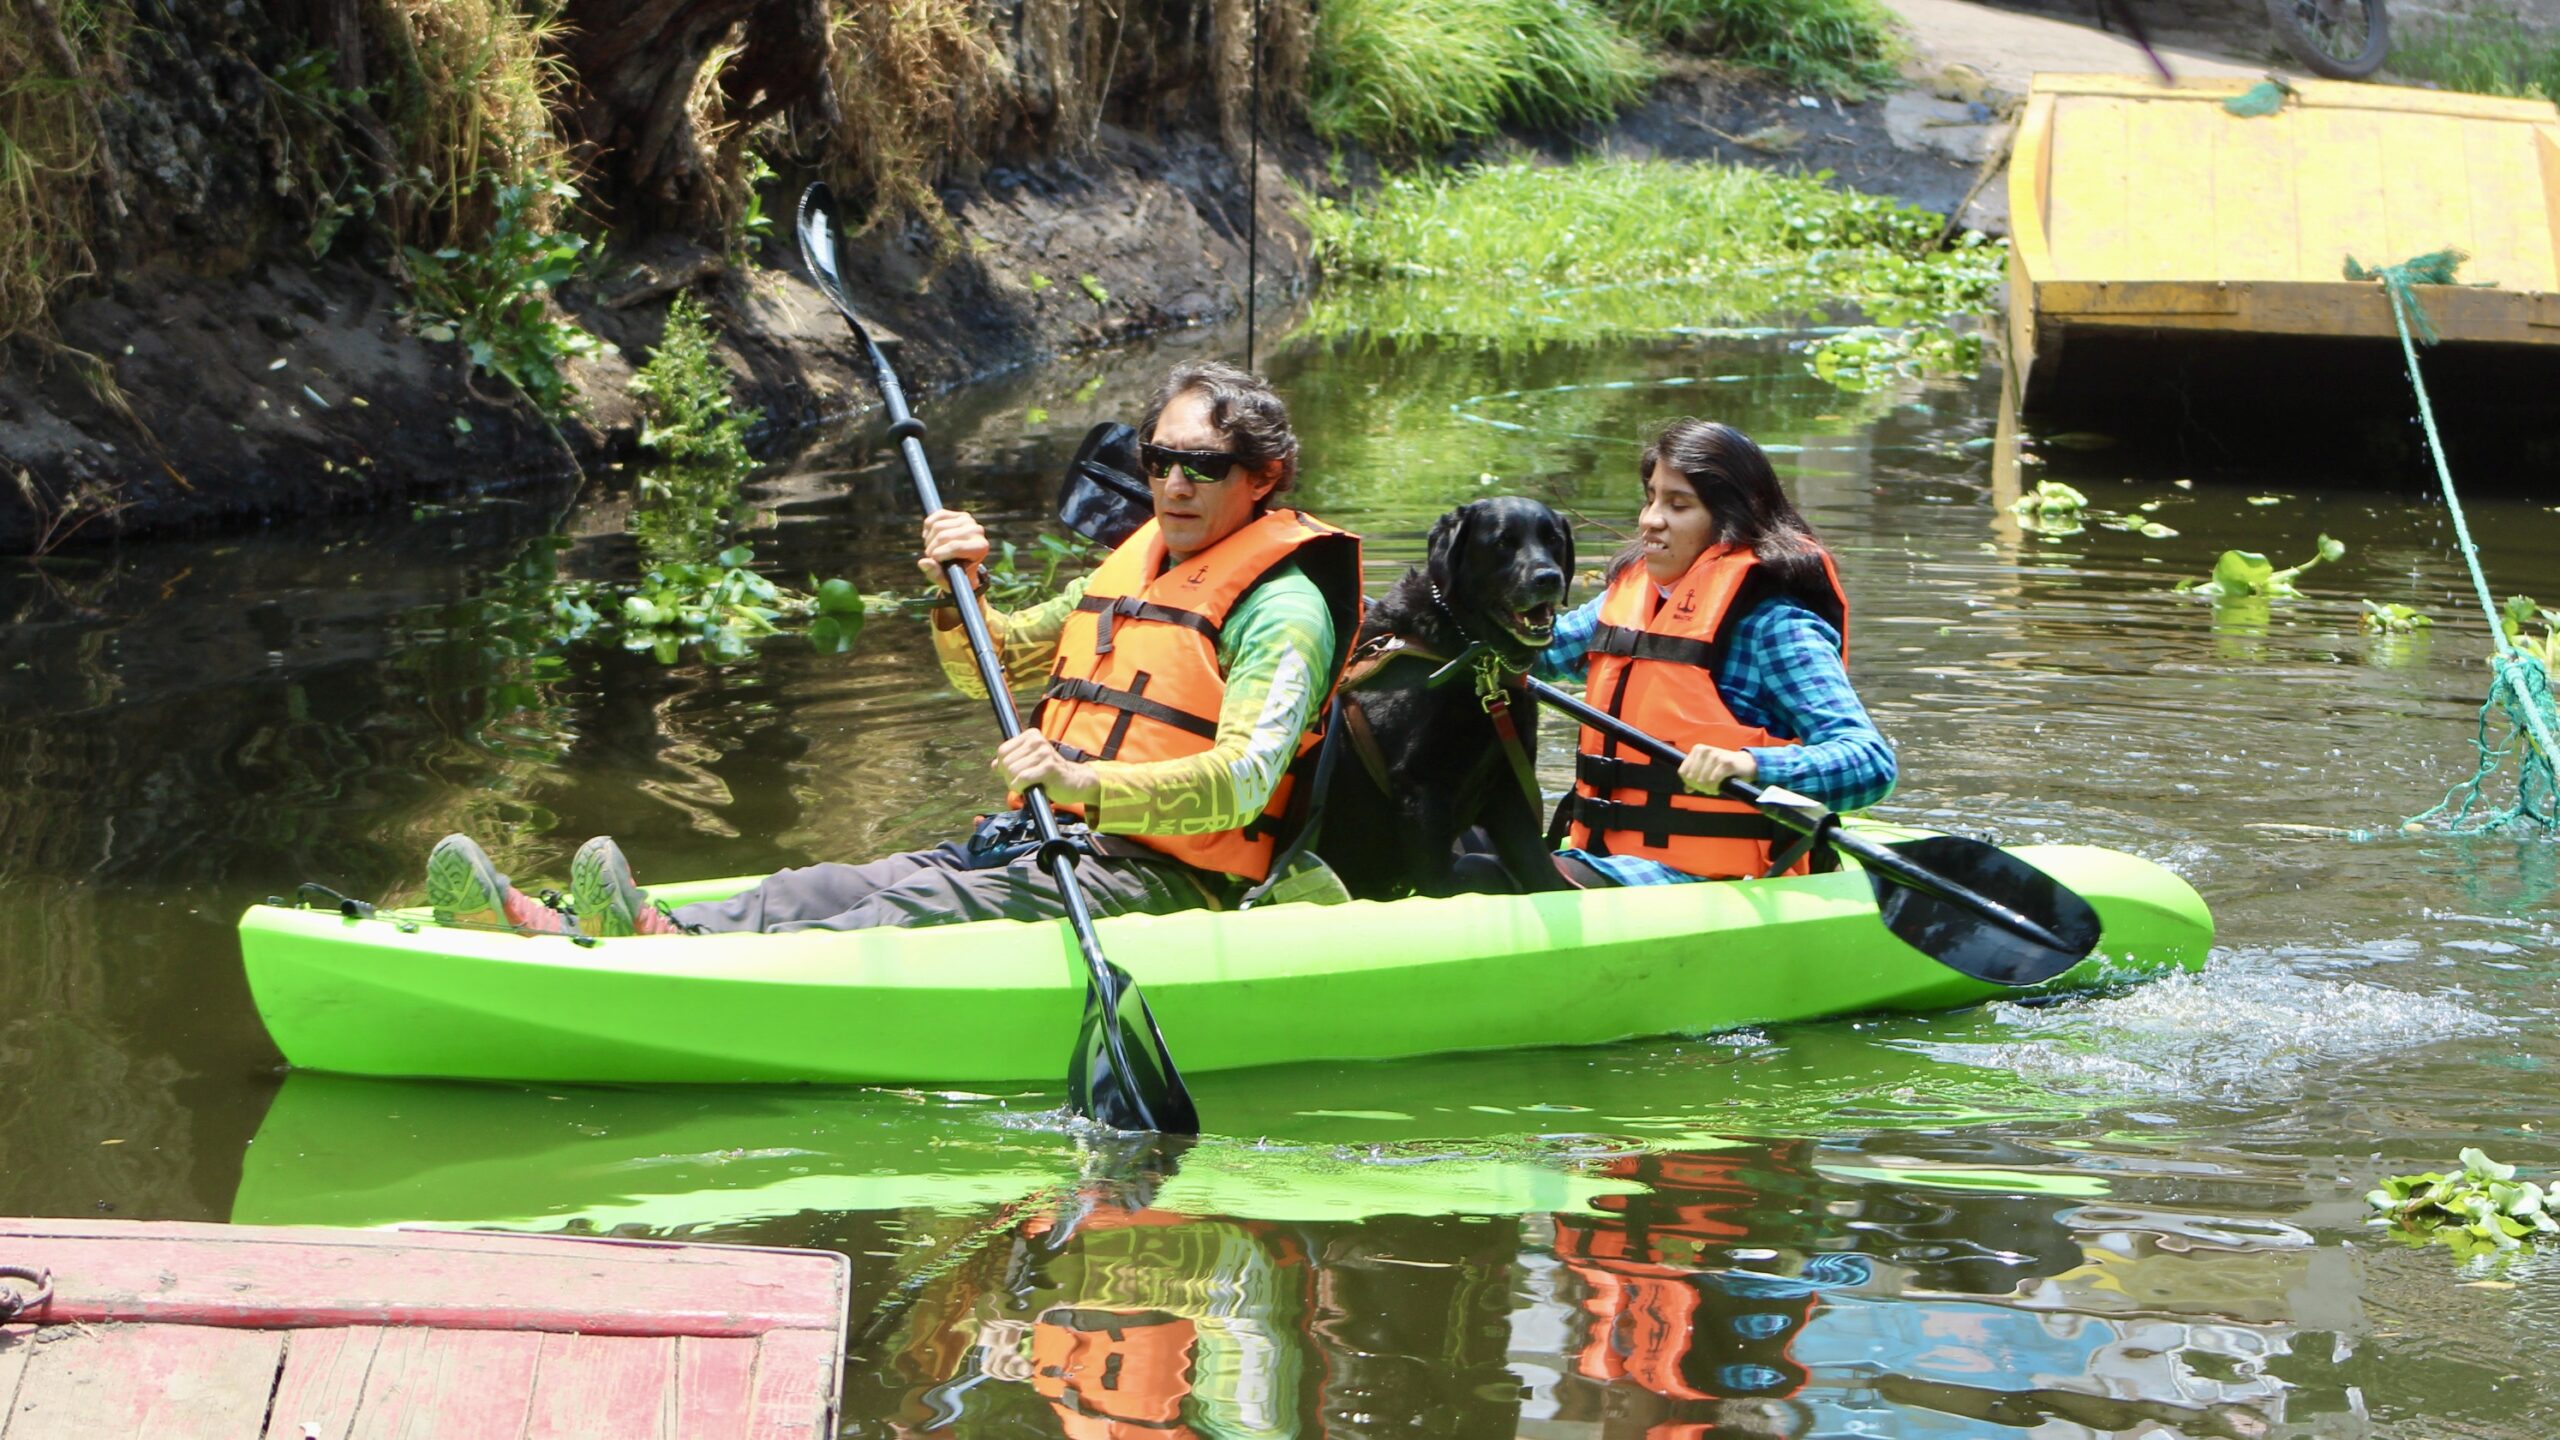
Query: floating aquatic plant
(2522,611)
(2246,574)
(721,605)
(2481,1209)
(2380,619)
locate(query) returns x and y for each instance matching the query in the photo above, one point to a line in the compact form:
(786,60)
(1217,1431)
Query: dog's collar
(1491,671)
(1446,609)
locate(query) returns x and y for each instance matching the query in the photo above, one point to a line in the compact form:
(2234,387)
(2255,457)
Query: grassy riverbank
(1413,76)
(2489,55)
(1528,255)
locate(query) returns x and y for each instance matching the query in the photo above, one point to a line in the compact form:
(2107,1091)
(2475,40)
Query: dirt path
(1971,64)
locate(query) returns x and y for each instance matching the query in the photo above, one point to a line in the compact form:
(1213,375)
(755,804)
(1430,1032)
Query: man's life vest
(1653,664)
(1137,678)
(1112,1374)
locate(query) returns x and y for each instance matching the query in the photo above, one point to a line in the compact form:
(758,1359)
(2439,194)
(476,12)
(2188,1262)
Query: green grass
(1846,47)
(1522,256)
(2492,55)
(1411,76)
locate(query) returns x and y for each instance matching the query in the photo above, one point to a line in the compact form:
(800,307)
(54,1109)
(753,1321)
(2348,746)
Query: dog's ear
(1564,524)
(1448,537)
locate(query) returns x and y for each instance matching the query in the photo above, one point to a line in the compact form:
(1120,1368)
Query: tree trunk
(634,66)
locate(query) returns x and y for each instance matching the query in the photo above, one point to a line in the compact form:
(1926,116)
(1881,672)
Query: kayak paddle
(1972,907)
(1120,1072)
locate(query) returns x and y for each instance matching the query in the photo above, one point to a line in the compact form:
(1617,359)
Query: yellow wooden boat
(2161,241)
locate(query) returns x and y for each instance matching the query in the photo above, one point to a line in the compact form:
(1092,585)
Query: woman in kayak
(1183,678)
(1721,632)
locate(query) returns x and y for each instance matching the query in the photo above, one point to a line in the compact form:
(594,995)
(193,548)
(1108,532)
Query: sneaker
(463,888)
(607,900)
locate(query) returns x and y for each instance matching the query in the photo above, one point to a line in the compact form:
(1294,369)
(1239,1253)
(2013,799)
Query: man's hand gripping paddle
(1971,907)
(1120,1072)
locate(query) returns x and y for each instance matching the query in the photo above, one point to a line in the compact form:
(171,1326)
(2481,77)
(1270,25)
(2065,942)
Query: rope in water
(2518,684)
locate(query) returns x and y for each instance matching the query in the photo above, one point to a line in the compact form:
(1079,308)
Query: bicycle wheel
(2342,39)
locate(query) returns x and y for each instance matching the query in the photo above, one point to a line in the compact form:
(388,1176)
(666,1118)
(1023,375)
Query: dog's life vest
(1653,664)
(1137,678)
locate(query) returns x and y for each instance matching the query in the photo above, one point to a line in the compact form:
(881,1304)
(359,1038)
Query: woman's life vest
(1653,664)
(1137,678)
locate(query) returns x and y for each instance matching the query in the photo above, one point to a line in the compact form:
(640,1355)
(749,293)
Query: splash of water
(2246,1028)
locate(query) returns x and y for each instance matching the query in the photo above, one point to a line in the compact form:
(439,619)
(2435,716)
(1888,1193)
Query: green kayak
(395,994)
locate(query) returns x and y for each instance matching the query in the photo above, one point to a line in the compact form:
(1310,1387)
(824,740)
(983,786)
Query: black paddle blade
(817,231)
(1121,1073)
(1966,941)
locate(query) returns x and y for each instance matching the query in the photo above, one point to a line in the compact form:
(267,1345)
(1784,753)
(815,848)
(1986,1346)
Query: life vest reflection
(1122,1323)
(1774,1288)
(1682,1338)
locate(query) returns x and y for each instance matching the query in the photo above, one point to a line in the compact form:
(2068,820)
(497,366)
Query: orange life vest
(1655,1314)
(1114,1374)
(1137,676)
(1653,665)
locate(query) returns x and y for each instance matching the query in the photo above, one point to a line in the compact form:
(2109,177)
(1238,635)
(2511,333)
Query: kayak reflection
(1883,1267)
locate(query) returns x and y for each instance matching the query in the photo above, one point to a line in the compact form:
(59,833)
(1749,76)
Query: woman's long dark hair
(1733,480)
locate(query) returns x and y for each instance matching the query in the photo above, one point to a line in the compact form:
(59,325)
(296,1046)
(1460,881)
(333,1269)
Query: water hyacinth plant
(2246,574)
(2050,502)
(2481,1209)
(2381,619)
(1523,255)
(721,606)
(2518,615)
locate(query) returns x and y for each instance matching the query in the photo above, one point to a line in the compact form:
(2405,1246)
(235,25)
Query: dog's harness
(1497,686)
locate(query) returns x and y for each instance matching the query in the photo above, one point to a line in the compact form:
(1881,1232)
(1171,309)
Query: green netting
(2260,100)
(2519,717)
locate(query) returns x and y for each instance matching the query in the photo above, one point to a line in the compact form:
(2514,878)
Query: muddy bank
(289,389)
(221,377)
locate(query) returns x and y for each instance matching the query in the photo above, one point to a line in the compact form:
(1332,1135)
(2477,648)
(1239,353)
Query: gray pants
(938,887)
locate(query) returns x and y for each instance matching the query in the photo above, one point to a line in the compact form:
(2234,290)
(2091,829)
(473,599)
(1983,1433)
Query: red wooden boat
(276,1333)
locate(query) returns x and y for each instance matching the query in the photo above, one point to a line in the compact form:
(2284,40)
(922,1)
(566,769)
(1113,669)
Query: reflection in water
(2126,1215)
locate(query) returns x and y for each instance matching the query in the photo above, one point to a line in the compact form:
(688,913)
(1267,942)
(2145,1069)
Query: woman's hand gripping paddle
(1969,906)
(1120,1073)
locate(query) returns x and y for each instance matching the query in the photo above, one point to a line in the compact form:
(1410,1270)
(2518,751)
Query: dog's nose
(1547,578)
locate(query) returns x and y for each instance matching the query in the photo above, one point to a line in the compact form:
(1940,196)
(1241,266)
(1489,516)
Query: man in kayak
(1721,632)
(1184,677)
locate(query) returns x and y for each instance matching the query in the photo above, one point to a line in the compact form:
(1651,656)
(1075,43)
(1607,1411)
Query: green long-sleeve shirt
(1274,651)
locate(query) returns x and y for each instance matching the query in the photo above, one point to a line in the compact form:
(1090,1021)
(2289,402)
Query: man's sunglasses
(1205,467)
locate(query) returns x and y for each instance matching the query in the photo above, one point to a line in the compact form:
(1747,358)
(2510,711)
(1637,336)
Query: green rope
(2518,685)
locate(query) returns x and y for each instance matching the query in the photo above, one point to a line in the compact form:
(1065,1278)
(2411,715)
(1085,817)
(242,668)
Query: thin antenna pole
(1253,187)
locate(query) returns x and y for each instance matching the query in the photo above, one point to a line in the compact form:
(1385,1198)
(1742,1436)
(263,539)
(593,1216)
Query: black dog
(1433,762)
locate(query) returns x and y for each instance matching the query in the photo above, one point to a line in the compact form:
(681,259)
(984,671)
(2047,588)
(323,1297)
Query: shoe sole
(461,881)
(600,887)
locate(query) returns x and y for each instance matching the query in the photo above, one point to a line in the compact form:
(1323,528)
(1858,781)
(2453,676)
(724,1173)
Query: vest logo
(1197,577)
(1688,605)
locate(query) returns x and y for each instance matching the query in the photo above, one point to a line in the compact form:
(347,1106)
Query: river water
(2126,1214)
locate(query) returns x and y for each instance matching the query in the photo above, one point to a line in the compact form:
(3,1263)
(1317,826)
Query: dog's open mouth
(1535,625)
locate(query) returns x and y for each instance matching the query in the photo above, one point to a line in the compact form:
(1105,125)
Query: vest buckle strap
(1109,612)
(1655,818)
(1619,772)
(1094,692)
(1634,644)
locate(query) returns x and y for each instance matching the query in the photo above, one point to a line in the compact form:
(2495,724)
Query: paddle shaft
(1875,858)
(982,649)
(1137,1091)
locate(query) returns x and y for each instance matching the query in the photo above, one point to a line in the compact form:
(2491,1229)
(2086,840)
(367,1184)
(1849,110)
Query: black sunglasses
(1205,467)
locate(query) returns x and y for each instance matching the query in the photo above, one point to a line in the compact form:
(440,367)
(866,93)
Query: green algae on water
(1522,256)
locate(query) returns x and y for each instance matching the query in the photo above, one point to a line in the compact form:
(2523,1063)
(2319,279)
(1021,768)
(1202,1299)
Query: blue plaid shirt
(1782,674)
